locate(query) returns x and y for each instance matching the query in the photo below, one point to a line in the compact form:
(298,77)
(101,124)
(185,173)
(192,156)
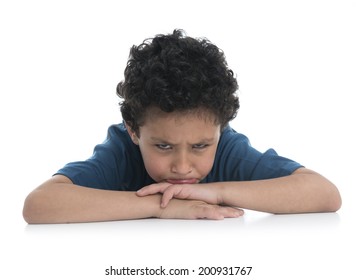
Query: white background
(60,62)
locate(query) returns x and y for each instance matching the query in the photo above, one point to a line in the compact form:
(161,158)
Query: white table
(303,246)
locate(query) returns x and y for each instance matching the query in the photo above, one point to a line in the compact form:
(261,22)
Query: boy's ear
(132,134)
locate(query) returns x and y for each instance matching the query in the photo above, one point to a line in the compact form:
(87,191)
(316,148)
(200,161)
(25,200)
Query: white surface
(306,246)
(60,63)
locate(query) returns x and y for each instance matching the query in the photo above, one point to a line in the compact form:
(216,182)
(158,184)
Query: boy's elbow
(326,196)
(335,202)
(27,211)
(30,210)
(332,201)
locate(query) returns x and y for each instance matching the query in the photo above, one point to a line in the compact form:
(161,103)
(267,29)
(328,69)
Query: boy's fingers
(167,196)
(153,189)
(174,191)
(234,213)
(220,212)
(229,212)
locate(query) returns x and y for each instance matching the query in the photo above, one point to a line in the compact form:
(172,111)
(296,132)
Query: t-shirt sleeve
(114,165)
(237,160)
(271,165)
(99,171)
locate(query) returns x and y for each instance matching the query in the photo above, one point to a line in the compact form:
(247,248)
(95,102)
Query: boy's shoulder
(232,137)
(237,160)
(116,164)
(118,135)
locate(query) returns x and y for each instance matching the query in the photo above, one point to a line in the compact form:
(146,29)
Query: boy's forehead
(155,114)
(180,126)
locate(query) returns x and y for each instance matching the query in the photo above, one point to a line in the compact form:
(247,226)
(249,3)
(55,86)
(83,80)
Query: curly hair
(177,73)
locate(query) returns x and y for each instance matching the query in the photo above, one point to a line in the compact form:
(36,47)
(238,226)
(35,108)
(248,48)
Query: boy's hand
(193,209)
(193,201)
(202,192)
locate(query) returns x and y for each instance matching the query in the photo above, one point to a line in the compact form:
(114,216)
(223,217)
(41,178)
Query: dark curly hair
(177,73)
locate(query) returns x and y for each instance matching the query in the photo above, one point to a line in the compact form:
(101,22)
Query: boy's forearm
(302,192)
(68,203)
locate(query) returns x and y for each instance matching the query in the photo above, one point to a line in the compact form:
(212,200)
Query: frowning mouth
(182,181)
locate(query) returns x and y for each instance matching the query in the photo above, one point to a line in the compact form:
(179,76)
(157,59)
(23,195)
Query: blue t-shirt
(117,164)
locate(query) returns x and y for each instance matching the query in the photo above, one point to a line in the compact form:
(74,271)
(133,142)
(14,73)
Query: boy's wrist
(223,193)
(154,203)
(217,192)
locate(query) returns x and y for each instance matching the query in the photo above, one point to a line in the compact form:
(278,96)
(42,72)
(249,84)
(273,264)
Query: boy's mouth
(182,181)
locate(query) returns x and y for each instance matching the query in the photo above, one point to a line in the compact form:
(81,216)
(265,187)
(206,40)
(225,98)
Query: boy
(175,155)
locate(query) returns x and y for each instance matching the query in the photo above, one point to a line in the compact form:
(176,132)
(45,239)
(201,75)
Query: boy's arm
(304,191)
(58,200)
(301,192)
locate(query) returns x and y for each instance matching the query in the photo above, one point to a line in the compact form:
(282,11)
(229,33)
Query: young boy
(175,155)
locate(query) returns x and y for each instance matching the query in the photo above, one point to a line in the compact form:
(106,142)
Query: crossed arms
(58,200)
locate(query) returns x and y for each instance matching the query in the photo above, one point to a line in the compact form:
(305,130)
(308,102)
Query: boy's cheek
(156,170)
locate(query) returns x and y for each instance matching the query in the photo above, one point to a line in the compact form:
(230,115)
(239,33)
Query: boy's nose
(182,165)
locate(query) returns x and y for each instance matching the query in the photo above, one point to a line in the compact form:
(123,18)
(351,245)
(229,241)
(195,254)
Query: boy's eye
(200,146)
(163,146)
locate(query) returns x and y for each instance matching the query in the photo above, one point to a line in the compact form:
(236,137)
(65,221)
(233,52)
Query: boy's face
(178,148)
